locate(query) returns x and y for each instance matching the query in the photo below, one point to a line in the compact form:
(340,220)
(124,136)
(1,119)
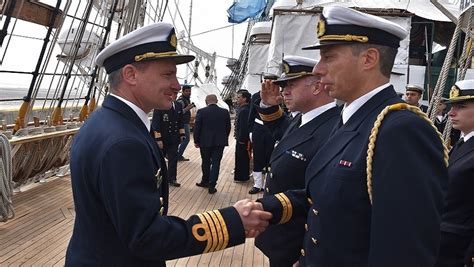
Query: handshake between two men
(254,219)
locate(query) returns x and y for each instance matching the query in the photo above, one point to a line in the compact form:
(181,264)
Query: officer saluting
(303,137)
(371,198)
(115,162)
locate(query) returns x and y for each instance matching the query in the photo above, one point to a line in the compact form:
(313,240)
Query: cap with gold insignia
(414,88)
(295,67)
(153,42)
(462,91)
(341,25)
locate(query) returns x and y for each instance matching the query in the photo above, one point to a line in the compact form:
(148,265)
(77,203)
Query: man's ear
(129,74)
(370,58)
(316,87)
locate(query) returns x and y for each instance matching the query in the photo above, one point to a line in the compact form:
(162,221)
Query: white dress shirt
(140,113)
(308,116)
(353,107)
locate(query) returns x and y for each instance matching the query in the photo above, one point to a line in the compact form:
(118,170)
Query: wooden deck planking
(40,232)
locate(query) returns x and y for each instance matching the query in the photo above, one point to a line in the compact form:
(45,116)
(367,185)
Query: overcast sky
(206,16)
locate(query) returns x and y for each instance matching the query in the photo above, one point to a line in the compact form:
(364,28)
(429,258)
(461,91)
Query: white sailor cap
(341,25)
(462,91)
(153,42)
(415,88)
(295,67)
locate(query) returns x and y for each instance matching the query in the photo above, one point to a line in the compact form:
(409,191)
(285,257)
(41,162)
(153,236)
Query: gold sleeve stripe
(220,235)
(206,236)
(157,134)
(284,208)
(224,229)
(181,131)
(273,116)
(213,232)
(289,207)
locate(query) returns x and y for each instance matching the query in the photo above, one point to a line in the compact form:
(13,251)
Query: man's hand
(254,219)
(160,144)
(270,93)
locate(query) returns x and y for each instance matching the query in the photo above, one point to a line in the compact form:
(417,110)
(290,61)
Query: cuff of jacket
(270,114)
(279,205)
(220,229)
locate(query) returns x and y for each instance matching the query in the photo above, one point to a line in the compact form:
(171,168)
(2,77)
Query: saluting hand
(270,93)
(254,218)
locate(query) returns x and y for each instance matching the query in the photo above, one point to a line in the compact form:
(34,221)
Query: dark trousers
(452,251)
(211,163)
(185,141)
(242,162)
(262,147)
(171,152)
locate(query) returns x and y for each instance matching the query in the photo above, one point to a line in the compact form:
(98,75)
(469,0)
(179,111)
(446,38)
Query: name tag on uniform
(296,155)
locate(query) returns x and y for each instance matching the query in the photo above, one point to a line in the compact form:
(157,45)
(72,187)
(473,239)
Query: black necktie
(457,145)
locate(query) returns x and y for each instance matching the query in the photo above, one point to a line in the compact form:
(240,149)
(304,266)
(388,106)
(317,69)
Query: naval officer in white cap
(302,137)
(367,207)
(457,226)
(118,174)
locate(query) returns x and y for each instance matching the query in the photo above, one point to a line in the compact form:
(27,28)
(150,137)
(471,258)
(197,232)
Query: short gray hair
(115,77)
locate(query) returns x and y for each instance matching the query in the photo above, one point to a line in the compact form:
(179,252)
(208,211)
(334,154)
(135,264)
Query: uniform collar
(310,115)
(467,136)
(352,108)
(140,113)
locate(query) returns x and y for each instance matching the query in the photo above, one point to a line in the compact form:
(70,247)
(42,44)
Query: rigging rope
(6,184)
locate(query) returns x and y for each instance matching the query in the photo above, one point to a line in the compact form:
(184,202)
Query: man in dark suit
(242,144)
(168,129)
(211,132)
(303,137)
(121,199)
(413,95)
(374,190)
(262,144)
(457,226)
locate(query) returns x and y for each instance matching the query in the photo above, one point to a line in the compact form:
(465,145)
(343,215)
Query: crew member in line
(304,136)
(374,190)
(413,95)
(457,225)
(242,144)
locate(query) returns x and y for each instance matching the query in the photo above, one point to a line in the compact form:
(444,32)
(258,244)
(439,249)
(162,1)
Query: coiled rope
(375,131)
(6,184)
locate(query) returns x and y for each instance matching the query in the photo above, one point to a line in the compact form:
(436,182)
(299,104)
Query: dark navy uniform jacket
(241,124)
(212,127)
(401,228)
(458,216)
(288,163)
(115,163)
(168,124)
